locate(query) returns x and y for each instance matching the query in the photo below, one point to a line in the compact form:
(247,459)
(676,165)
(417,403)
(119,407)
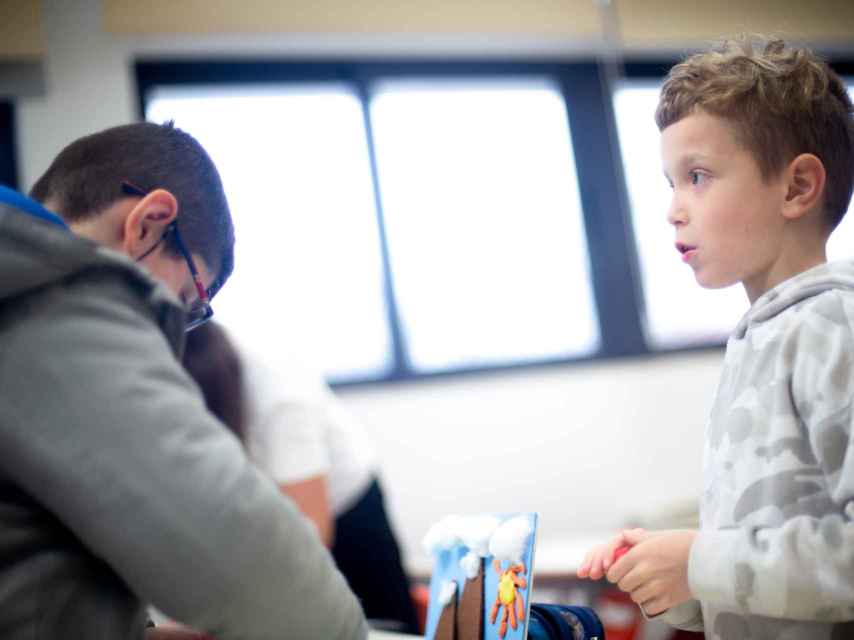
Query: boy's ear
(805,183)
(146,223)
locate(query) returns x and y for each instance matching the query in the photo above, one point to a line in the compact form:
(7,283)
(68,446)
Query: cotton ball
(447,592)
(510,538)
(475,531)
(442,535)
(470,563)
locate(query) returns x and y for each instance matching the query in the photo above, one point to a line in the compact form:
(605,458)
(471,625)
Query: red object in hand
(620,552)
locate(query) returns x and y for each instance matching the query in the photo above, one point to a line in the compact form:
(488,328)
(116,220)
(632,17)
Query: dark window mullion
(613,258)
(401,367)
(8,161)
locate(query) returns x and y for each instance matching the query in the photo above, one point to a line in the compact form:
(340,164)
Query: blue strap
(23,203)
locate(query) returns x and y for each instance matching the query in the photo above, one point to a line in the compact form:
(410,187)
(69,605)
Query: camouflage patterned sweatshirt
(775,554)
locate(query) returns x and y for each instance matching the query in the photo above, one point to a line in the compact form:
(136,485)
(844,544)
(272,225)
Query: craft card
(482,576)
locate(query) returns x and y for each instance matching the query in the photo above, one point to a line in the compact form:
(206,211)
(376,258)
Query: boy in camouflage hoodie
(758,146)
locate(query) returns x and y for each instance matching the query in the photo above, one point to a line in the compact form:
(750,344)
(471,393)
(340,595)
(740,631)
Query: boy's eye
(697,178)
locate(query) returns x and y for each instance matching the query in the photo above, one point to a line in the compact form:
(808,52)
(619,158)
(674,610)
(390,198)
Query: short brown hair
(781,102)
(86,178)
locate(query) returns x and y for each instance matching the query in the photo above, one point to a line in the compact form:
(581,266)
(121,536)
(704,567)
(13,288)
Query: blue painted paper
(447,568)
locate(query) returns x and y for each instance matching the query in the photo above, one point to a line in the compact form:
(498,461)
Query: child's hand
(600,558)
(655,571)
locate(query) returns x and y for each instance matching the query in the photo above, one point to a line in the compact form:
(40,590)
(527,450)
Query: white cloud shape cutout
(442,535)
(510,538)
(447,592)
(470,563)
(473,532)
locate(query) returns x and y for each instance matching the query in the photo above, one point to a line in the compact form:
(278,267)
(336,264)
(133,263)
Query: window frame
(654,70)
(587,88)
(9,175)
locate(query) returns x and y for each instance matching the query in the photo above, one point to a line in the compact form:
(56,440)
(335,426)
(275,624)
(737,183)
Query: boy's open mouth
(688,252)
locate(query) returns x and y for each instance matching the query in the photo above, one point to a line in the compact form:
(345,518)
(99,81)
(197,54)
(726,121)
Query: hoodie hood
(810,283)
(38,251)
(35,251)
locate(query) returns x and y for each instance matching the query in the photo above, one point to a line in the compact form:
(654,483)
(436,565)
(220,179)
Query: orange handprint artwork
(509,581)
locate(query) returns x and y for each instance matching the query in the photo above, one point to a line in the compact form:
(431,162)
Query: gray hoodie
(117,488)
(775,554)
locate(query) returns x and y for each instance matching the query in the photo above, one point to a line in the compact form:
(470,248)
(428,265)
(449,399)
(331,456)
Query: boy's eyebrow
(689,159)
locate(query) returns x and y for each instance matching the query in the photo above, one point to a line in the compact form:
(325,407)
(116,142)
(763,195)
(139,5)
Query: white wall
(88,86)
(586,446)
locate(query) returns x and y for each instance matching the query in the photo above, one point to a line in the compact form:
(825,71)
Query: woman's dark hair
(212,361)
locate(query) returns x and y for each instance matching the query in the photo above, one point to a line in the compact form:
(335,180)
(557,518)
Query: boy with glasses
(117,488)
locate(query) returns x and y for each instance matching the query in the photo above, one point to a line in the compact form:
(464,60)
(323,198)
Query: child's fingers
(591,565)
(613,545)
(634,536)
(583,570)
(621,551)
(596,571)
(644,593)
(634,579)
(600,558)
(597,566)
(620,545)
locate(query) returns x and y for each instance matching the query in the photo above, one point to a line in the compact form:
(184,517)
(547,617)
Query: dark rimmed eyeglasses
(200,311)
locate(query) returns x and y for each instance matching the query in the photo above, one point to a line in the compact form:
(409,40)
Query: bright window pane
(841,243)
(295,167)
(678,311)
(484,222)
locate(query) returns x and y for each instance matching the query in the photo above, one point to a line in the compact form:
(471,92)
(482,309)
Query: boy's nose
(676,213)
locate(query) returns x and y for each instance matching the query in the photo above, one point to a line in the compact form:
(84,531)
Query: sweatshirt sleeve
(105,429)
(687,616)
(803,568)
